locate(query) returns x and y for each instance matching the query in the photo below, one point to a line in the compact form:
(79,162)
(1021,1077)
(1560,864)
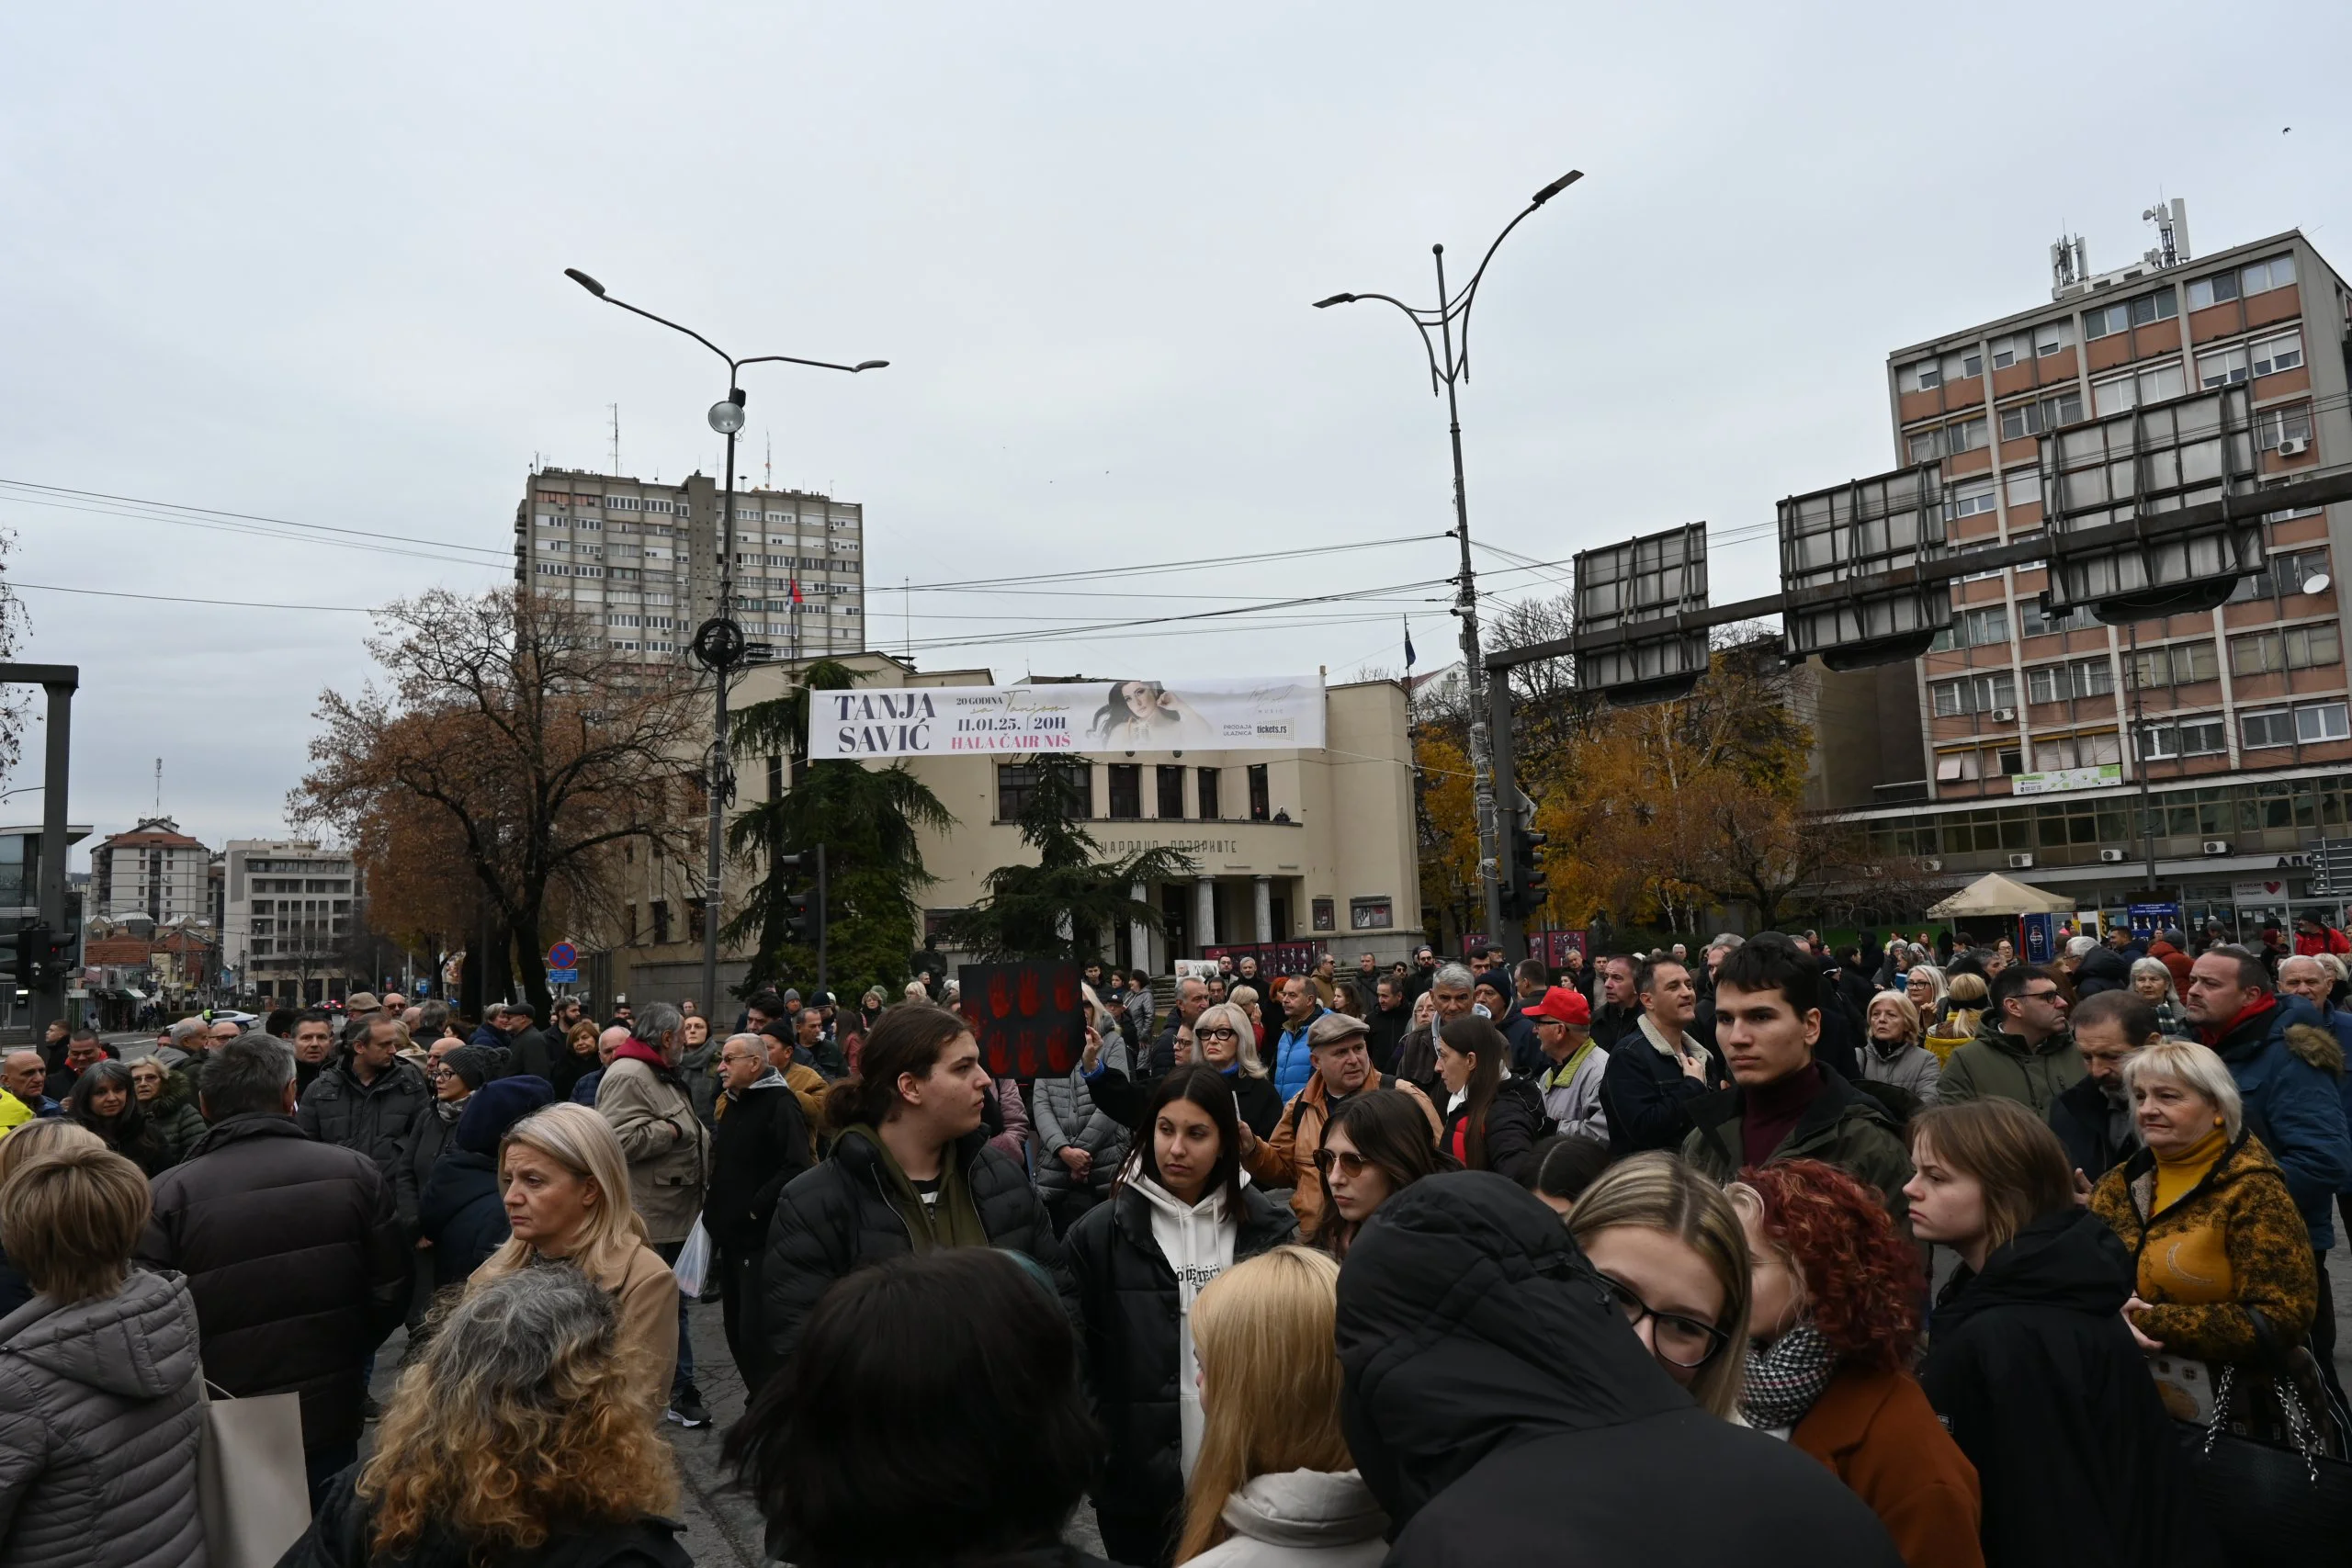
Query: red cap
(1562,1005)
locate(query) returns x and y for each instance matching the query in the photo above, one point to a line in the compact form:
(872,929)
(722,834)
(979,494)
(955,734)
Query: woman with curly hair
(1832,1321)
(517,1435)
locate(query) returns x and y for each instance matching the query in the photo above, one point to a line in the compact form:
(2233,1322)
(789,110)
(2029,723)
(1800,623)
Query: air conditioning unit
(2216,846)
(2113,857)
(2004,716)
(2294,445)
(2021,863)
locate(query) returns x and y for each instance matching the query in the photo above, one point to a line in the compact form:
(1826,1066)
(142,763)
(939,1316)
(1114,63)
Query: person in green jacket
(2023,1051)
(1783,1104)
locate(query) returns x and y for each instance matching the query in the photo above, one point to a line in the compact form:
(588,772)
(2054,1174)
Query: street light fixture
(1451,367)
(720,642)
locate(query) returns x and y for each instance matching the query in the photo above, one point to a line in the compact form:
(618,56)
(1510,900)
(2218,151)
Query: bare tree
(507,720)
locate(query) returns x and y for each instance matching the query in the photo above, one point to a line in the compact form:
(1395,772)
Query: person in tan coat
(1834,1317)
(1339,1050)
(668,1150)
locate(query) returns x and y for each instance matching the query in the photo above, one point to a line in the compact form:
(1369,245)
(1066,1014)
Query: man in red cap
(1570,1081)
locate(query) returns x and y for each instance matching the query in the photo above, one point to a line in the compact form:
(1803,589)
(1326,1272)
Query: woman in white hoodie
(1182,1213)
(1274,1486)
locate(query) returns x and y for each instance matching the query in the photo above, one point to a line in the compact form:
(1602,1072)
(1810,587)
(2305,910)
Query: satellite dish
(2316,583)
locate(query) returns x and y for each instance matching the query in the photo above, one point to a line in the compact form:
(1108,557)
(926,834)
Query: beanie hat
(494,1108)
(475,1063)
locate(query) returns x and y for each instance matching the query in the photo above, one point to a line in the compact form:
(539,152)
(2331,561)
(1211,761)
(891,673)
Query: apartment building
(153,870)
(640,559)
(287,922)
(2036,729)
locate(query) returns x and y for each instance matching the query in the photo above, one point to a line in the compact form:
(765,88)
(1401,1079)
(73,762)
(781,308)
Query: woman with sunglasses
(1224,1040)
(1670,1249)
(1374,1145)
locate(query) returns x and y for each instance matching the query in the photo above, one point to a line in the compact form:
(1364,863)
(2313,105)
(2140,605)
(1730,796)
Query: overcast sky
(305,263)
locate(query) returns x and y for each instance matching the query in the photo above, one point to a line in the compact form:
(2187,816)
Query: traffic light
(804,917)
(54,955)
(1526,885)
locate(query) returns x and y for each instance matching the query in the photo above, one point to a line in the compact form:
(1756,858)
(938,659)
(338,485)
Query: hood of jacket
(2071,1260)
(138,1343)
(246,1124)
(2318,1045)
(1304,1508)
(636,1050)
(769,1078)
(2103,964)
(1469,1322)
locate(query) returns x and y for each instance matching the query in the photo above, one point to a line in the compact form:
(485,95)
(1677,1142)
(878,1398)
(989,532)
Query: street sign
(1849,559)
(563,956)
(1643,583)
(563,977)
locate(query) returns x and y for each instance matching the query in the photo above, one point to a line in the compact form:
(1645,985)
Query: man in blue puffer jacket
(1300,1008)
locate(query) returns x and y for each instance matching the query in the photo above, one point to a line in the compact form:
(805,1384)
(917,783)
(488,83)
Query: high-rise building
(642,559)
(287,923)
(2036,730)
(153,870)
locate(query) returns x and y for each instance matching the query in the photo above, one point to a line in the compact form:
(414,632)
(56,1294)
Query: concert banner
(1076,719)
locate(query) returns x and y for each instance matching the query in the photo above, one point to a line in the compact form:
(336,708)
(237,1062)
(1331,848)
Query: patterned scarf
(1784,1379)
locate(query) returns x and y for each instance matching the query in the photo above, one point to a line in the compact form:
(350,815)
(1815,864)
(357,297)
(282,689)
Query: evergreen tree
(1060,907)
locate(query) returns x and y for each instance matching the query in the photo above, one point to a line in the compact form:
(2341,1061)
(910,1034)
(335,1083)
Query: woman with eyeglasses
(1374,1145)
(1669,1248)
(1226,1041)
(170,1105)
(1831,1329)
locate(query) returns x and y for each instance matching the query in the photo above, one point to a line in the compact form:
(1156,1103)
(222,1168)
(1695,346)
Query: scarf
(954,1221)
(1786,1377)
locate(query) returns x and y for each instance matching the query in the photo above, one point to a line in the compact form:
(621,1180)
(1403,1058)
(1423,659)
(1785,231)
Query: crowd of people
(1431,1263)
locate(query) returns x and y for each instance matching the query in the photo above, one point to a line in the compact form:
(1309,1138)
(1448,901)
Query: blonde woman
(1895,1054)
(1244,998)
(1223,1037)
(566,1187)
(1673,1253)
(1962,1008)
(517,1435)
(1273,1485)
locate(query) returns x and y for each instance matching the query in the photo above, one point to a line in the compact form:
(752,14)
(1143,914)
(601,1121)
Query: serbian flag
(795,590)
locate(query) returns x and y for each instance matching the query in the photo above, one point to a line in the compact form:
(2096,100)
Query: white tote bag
(252,1486)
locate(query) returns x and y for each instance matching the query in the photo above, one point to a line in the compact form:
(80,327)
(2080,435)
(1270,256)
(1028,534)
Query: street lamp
(719,643)
(1451,367)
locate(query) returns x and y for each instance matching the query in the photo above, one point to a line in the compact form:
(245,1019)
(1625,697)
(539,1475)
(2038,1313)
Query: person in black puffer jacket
(1484,1360)
(462,1211)
(906,1175)
(1181,1213)
(368,1099)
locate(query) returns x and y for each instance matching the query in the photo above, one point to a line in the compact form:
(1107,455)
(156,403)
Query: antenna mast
(159,786)
(617,439)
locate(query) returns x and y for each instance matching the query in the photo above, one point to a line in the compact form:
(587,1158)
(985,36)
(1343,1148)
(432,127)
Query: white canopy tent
(1994,894)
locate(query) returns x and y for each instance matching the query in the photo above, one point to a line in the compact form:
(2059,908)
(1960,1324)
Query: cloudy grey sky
(305,263)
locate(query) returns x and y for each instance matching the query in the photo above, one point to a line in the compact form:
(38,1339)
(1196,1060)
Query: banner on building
(1276,958)
(2054,781)
(1075,718)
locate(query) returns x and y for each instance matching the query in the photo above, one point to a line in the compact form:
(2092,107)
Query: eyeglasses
(2048,995)
(1351,1164)
(1680,1341)
(1217,1032)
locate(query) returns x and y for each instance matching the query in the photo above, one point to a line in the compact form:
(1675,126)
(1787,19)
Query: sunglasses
(1348,1162)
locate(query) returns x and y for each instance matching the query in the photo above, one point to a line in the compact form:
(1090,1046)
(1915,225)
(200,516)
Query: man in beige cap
(1338,1048)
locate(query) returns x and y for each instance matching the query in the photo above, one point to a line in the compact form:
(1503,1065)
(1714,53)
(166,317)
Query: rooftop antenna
(159,786)
(2068,264)
(617,439)
(767,469)
(2171,220)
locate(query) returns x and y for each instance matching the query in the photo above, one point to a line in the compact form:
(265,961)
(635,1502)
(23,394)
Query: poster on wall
(1077,719)
(1026,1015)
(1274,957)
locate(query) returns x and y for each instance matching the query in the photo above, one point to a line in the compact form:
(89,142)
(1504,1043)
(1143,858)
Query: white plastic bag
(693,1268)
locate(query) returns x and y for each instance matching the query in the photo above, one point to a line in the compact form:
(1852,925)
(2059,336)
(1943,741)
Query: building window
(1949,440)
(2076,751)
(1206,786)
(2047,413)
(1127,792)
(2184,737)
(2321,721)
(2040,343)
(660,921)
(1975,628)
(1261,794)
(2106,321)
(2035,622)
(2291,648)
(1171,782)
(2079,678)
(1016,786)
(2272,427)
(2127,393)
(1975,693)
(2175,664)
(1970,500)
(2223,368)
(2272,354)
(2281,575)
(2275,272)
